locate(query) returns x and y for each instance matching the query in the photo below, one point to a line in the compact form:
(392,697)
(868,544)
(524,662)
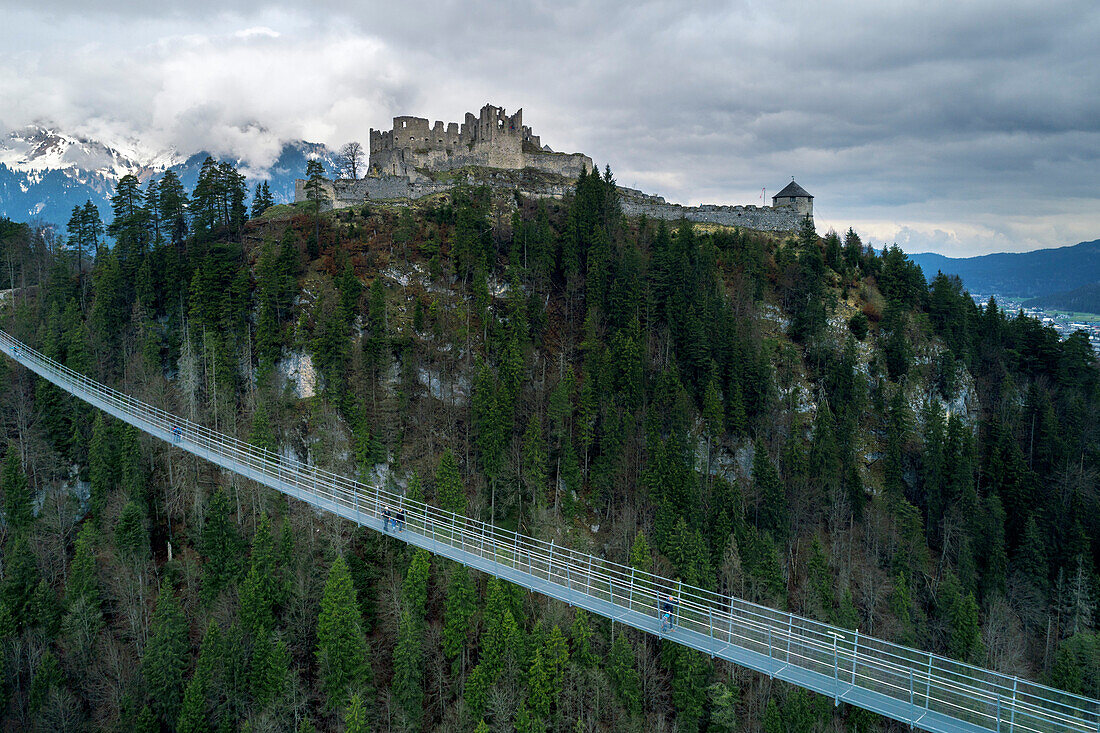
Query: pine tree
(262,200)
(408,670)
(18,505)
(458,614)
(582,635)
(270,669)
(165,657)
(341,647)
(172,207)
(771,511)
(315,193)
(221,545)
(82,583)
(102,462)
(132,468)
(355,717)
(449,491)
(534,459)
(623,673)
(416,583)
(131,534)
(547,674)
(193,716)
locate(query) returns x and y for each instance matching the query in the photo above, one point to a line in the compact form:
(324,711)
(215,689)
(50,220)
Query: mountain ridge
(1032,274)
(44,173)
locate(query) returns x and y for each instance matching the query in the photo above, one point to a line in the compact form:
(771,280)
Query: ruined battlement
(492,139)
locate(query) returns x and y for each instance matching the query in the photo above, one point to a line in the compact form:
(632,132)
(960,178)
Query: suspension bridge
(918,688)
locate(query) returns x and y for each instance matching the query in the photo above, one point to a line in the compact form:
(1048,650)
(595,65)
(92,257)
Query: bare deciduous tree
(351,159)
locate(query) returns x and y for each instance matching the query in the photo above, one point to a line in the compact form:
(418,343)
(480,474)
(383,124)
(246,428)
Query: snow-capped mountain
(44,173)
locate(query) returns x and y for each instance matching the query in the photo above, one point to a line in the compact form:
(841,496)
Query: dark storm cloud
(973,125)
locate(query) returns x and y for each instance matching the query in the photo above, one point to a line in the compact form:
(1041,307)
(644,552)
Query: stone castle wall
(760,218)
(345,193)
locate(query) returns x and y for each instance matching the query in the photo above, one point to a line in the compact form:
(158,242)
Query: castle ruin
(493,139)
(415,159)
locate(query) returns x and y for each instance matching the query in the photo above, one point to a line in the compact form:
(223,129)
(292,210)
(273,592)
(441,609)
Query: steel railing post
(928,684)
(677,616)
(588,578)
(550,563)
(855,654)
(1012,713)
(836,672)
(630,593)
(912,707)
(790,632)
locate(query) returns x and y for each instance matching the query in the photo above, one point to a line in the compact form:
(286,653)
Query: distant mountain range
(44,172)
(1085,299)
(1033,274)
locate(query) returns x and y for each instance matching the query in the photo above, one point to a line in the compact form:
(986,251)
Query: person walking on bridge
(668,611)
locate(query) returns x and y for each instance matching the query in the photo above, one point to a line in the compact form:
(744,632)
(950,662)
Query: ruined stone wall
(761,218)
(493,139)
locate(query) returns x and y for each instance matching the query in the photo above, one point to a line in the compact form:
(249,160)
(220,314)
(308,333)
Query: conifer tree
(416,583)
(102,462)
(270,669)
(355,717)
(221,545)
(18,505)
(131,534)
(172,207)
(623,673)
(315,193)
(82,582)
(582,635)
(771,510)
(341,648)
(458,614)
(193,716)
(262,199)
(165,657)
(449,491)
(408,670)
(130,226)
(534,459)
(547,674)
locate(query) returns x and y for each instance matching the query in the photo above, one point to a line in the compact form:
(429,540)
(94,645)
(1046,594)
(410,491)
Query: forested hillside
(1085,299)
(798,421)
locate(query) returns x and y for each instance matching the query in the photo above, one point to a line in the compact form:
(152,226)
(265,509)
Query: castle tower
(796,196)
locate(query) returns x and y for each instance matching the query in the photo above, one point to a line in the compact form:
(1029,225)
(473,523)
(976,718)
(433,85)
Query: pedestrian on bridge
(385,519)
(399,523)
(668,610)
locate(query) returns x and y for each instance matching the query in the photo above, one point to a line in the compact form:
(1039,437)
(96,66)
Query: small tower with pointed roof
(796,196)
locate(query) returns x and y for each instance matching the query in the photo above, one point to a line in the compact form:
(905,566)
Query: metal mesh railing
(913,686)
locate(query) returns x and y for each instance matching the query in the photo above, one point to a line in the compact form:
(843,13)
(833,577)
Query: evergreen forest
(796,420)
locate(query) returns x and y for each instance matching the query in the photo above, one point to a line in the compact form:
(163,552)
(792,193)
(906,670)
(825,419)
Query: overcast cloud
(954,127)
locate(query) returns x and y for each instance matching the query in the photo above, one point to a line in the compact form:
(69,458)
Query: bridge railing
(919,682)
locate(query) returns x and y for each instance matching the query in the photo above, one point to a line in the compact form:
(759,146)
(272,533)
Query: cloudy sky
(957,127)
